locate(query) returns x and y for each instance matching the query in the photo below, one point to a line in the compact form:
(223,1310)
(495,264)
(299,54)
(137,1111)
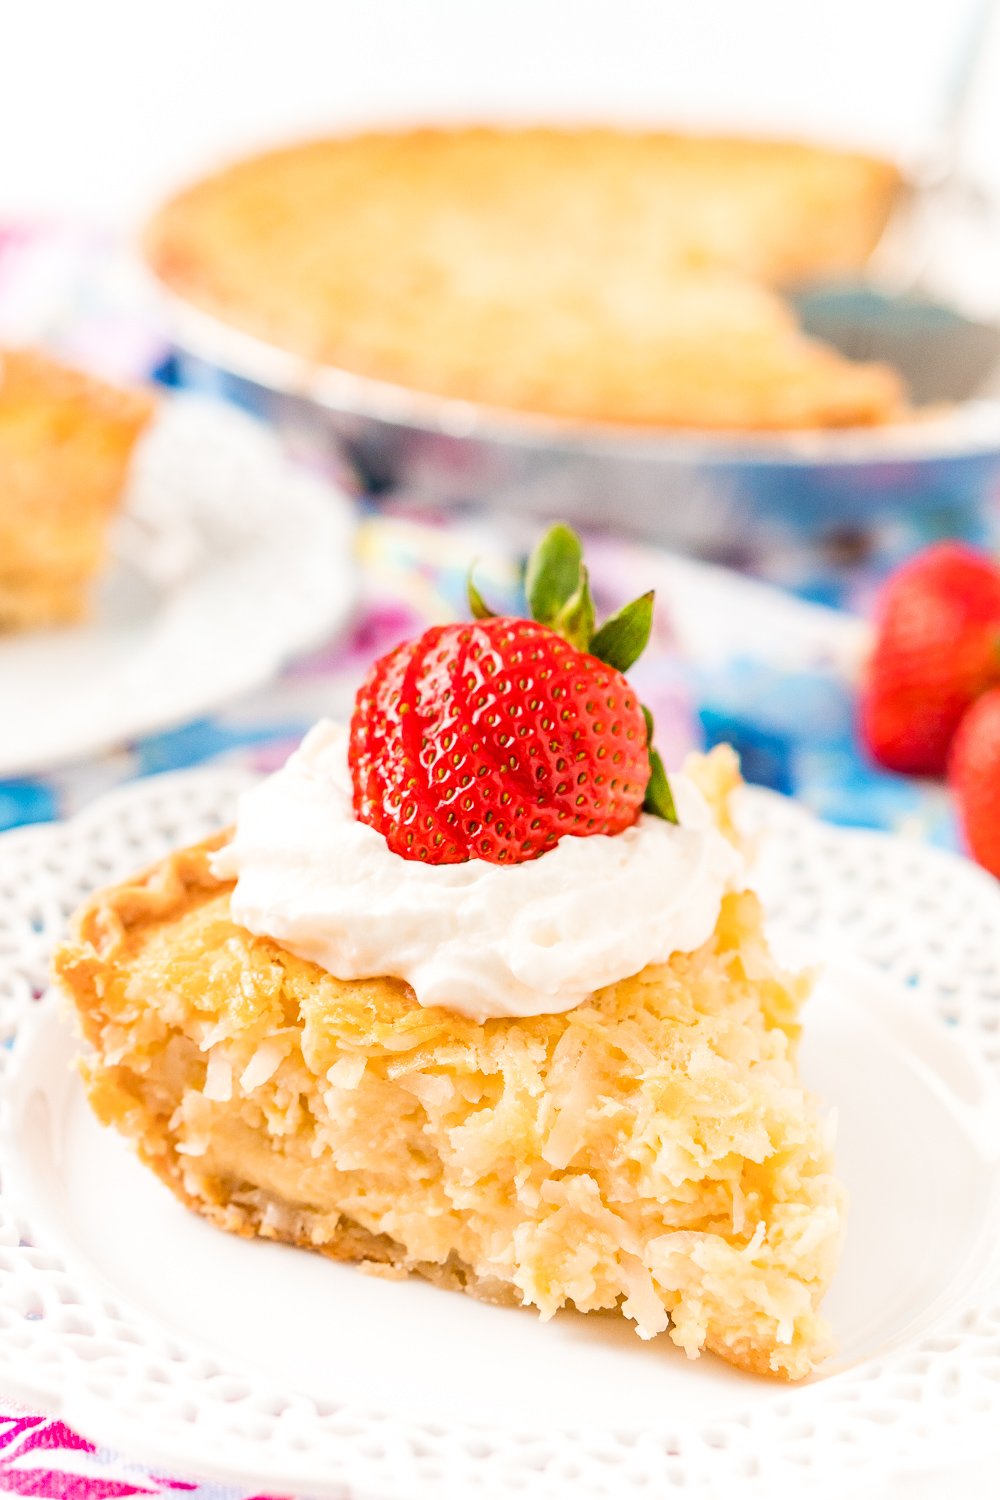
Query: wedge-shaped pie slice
(651,1149)
(65,444)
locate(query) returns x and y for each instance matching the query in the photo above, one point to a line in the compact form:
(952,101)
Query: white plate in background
(226,563)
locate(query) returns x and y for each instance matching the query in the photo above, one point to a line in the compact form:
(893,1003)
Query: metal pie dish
(709,493)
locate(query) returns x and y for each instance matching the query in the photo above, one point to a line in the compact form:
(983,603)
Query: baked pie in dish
(474,991)
(598,276)
(65,443)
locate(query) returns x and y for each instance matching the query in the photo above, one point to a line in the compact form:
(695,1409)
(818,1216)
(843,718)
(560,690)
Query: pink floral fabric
(43,1458)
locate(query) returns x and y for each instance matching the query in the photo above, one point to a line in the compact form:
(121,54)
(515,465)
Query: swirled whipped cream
(482,939)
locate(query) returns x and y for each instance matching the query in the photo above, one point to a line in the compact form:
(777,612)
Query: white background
(104,104)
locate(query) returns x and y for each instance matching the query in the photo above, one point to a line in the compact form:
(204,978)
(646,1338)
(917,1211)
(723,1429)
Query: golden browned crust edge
(153,893)
(100,928)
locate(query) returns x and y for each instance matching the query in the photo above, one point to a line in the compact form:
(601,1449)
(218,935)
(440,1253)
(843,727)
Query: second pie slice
(66,441)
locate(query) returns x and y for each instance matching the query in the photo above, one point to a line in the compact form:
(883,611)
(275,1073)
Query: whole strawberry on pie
(493,740)
(473,992)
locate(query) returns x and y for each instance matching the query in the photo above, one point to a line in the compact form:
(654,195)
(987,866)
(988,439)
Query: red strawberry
(492,740)
(376,717)
(974,773)
(937,648)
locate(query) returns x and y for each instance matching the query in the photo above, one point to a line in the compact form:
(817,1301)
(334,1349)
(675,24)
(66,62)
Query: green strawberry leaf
(623,637)
(575,621)
(477,604)
(553,573)
(659,798)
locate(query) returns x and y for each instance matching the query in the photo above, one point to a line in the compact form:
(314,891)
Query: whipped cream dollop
(483,939)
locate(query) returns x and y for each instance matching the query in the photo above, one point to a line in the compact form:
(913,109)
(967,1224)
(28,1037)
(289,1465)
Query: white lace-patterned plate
(253,1362)
(226,563)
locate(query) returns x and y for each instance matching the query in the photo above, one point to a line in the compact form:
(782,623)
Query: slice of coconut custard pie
(473,990)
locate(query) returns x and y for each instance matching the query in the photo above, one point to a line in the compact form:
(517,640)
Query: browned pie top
(594,274)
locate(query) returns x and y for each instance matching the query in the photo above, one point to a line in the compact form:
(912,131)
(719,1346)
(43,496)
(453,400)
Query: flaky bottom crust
(253,1213)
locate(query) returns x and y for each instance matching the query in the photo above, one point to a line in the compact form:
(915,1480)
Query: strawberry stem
(553,573)
(480,610)
(575,621)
